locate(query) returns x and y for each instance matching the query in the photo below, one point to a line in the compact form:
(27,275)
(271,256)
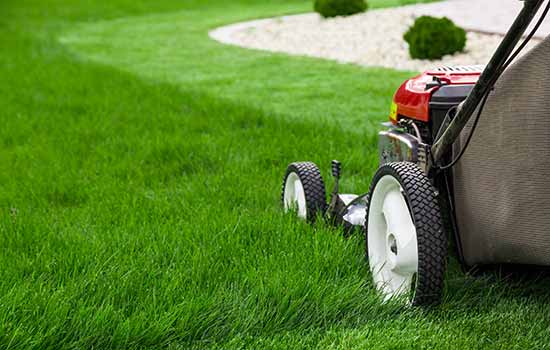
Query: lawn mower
(465,157)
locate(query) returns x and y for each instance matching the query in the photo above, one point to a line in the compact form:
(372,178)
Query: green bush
(333,8)
(432,38)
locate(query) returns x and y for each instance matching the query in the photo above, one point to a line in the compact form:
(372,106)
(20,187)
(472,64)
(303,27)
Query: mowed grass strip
(139,195)
(175,48)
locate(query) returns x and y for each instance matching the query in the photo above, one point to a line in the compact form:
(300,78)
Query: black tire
(313,185)
(421,199)
(365,228)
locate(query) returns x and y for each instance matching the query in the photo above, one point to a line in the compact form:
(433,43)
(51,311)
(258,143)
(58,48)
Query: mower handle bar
(486,81)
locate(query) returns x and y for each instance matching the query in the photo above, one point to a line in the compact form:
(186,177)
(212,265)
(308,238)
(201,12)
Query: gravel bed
(373,38)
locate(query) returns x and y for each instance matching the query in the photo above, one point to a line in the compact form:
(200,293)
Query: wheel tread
(314,187)
(432,240)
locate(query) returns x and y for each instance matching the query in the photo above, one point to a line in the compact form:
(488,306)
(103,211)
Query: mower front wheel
(406,242)
(304,191)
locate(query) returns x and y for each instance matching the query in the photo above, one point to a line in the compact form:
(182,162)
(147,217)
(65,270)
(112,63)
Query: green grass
(140,169)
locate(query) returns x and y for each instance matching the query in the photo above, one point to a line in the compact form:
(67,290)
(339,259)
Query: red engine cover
(412,99)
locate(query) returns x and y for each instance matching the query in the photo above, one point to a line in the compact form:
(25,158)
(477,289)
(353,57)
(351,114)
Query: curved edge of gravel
(226,33)
(372,39)
(272,35)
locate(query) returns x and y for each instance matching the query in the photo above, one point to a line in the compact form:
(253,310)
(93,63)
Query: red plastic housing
(412,99)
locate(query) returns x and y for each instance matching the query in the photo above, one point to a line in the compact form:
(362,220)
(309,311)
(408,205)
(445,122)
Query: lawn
(140,170)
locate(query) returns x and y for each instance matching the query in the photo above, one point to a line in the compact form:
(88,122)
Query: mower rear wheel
(304,190)
(406,242)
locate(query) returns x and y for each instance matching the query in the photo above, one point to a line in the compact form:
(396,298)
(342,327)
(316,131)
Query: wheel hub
(392,243)
(294,195)
(393,251)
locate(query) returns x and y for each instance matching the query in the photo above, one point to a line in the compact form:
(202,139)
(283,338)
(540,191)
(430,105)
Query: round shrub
(432,38)
(333,8)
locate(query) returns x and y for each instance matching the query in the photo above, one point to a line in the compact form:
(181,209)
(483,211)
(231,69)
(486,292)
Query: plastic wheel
(406,242)
(304,190)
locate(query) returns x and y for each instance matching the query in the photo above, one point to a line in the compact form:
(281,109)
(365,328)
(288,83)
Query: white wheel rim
(294,195)
(392,242)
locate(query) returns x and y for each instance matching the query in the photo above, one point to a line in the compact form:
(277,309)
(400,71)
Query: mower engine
(419,109)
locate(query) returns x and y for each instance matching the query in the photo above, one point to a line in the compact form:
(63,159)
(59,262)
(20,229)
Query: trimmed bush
(432,38)
(333,8)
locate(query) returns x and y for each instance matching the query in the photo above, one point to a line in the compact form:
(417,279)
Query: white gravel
(373,38)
